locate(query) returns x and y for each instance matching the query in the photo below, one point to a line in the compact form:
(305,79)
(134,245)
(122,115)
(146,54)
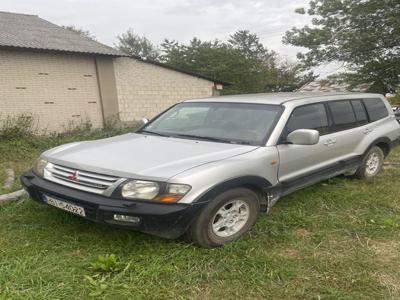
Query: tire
(371,164)
(226,218)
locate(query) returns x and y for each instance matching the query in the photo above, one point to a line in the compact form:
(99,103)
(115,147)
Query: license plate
(75,209)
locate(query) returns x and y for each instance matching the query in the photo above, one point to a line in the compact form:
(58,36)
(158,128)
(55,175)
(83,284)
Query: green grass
(339,239)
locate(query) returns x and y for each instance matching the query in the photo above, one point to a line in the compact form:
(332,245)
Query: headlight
(138,189)
(39,166)
(149,190)
(180,189)
(174,192)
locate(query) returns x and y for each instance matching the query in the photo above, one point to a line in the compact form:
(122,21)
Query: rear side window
(343,114)
(312,116)
(376,109)
(359,111)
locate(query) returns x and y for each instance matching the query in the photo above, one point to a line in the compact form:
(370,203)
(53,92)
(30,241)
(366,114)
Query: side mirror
(144,121)
(303,137)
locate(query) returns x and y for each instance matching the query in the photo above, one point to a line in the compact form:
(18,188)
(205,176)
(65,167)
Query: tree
(250,46)
(82,32)
(133,44)
(243,60)
(288,77)
(362,34)
(213,59)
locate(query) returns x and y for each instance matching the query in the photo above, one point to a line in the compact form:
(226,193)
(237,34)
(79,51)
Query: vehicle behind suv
(396,111)
(209,167)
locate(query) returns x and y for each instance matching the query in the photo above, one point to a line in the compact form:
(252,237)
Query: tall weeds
(25,126)
(20,126)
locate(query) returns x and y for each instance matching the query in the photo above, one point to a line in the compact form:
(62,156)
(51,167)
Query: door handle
(329,142)
(367,131)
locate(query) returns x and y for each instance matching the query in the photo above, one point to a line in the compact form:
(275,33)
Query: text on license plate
(75,209)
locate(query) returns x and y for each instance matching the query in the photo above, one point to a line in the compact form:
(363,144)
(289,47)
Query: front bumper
(164,220)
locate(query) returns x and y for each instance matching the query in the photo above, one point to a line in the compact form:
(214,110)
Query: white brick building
(146,89)
(60,77)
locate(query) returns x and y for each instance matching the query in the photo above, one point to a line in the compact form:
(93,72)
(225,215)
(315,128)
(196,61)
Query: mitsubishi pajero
(209,167)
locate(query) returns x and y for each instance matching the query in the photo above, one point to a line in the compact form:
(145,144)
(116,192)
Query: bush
(73,128)
(18,126)
(26,126)
(396,99)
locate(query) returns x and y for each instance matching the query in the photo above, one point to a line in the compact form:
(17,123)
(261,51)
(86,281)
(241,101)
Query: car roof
(280,98)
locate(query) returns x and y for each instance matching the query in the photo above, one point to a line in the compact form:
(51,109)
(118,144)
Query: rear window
(376,109)
(359,111)
(343,114)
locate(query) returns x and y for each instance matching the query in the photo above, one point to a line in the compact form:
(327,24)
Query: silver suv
(208,167)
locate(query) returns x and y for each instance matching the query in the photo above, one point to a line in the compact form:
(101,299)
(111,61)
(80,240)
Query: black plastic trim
(328,172)
(395,143)
(382,140)
(165,220)
(319,175)
(255,181)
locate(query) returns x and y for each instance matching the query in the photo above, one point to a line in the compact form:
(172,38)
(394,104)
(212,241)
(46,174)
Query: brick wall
(56,88)
(144,90)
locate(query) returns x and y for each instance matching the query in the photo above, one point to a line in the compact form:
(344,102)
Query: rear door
(348,130)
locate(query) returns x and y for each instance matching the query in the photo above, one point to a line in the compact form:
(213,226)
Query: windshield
(221,122)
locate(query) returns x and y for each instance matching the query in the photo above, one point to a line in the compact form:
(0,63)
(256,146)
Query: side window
(376,109)
(359,111)
(312,116)
(343,114)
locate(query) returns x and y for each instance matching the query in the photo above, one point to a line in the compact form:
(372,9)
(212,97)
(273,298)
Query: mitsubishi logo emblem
(74,176)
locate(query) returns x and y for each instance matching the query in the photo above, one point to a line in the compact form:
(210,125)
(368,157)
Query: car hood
(142,156)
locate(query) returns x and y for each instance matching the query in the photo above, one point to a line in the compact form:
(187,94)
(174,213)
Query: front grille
(83,180)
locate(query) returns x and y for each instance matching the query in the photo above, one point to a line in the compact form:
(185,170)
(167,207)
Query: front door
(297,162)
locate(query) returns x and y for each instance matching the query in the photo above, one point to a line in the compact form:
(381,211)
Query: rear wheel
(226,218)
(372,163)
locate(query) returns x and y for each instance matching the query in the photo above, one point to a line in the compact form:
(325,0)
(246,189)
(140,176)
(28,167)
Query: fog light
(124,218)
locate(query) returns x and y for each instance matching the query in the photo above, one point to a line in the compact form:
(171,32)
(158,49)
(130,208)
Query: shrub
(26,126)
(18,126)
(83,127)
(396,99)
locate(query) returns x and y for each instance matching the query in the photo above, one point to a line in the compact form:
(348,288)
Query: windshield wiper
(209,138)
(198,137)
(152,132)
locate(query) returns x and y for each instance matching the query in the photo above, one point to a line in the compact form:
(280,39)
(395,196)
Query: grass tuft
(105,264)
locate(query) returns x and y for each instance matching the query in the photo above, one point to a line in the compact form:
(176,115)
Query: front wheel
(372,163)
(226,218)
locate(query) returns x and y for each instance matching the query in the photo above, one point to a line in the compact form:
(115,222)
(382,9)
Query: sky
(180,20)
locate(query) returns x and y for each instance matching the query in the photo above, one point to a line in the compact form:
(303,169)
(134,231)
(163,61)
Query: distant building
(61,77)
